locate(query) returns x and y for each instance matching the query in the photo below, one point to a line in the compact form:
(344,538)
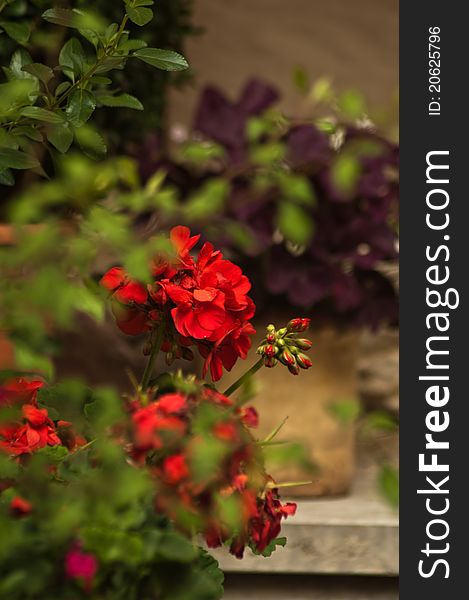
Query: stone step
(239,586)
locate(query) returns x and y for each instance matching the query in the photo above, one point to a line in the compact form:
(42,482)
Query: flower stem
(155,348)
(239,382)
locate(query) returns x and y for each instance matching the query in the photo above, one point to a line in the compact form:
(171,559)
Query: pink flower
(81,565)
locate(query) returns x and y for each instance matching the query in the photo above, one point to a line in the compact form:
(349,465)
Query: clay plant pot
(308,400)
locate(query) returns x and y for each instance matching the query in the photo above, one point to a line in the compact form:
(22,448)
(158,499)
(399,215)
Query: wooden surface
(354,42)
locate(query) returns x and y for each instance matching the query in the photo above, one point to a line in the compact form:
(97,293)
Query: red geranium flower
(36,432)
(19,391)
(19,507)
(129,298)
(203,302)
(175,468)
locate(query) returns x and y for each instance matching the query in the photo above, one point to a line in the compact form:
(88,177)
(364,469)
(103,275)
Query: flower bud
(270,361)
(271,328)
(146,349)
(303,361)
(282,332)
(298,325)
(270,350)
(294,369)
(281,343)
(270,338)
(169,358)
(287,358)
(303,343)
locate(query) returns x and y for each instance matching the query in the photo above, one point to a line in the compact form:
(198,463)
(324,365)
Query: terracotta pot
(307,401)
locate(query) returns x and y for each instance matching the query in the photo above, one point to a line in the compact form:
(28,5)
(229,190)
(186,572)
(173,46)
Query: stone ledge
(347,536)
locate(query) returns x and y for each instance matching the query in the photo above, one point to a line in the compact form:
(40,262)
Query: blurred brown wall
(354,41)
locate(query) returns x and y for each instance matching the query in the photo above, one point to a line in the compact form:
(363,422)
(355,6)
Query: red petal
(36,416)
(132,292)
(210,316)
(113,278)
(178,294)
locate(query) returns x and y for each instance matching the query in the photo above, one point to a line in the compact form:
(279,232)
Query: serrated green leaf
(60,136)
(139,15)
(80,107)
(41,114)
(123,101)
(42,72)
(17,30)
(16,159)
(167,60)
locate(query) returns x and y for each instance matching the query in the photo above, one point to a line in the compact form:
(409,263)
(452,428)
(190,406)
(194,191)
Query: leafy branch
(30,113)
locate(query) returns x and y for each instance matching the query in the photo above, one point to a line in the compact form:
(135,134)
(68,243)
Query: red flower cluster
(202,302)
(167,435)
(35,429)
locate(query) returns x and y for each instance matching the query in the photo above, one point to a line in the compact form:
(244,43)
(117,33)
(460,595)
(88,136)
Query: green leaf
(110,63)
(139,15)
(19,59)
(28,360)
(41,114)
(295,223)
(62,87)
(301,80)
(123,101)
(267,154)
(6,177)
(379,420)
(74,18)
(345,173)
(17,30)
(80,107)
(352,104)
(60,16)
(175,547)
(129,45)
(91,142)
(29,131)
(16,159)
(271,547)
(388,481)
(167,60)
(72,58)
(60,136)
(42,72)
(346,411)
(90,303)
